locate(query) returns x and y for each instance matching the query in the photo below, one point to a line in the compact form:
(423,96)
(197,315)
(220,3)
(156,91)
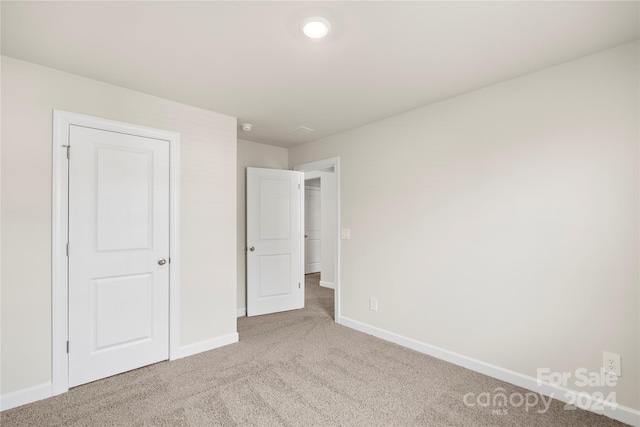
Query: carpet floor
(299,368)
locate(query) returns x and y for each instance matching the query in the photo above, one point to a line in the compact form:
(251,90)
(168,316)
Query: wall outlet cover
(611,363)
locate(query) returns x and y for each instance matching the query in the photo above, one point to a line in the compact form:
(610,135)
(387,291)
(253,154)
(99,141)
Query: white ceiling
(250,59)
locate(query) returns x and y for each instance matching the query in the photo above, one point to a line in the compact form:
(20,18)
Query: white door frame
(333,162)
(59,227)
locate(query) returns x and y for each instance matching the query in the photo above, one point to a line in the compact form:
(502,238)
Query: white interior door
(312,230)
(275,279)
(118,253)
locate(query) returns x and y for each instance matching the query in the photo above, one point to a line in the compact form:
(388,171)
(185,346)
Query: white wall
(208,209)
(251,154)
(503,224)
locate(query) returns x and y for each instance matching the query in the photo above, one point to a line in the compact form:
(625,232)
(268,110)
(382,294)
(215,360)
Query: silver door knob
(252,249)
(162,261)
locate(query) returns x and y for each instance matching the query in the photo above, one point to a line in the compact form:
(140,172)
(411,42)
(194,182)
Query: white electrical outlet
(373,304)
(611,363)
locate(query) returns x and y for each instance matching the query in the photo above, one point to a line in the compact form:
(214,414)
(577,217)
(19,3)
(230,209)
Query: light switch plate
(346,234)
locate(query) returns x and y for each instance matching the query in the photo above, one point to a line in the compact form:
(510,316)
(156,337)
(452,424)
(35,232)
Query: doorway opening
(322,242)
(313,219)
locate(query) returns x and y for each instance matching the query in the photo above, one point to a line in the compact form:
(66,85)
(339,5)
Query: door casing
(60,214)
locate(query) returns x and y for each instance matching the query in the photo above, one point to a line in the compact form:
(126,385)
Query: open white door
(118,253)
(275,279)
(312,230)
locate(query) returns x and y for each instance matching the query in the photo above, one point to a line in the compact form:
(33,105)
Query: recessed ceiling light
(316,27)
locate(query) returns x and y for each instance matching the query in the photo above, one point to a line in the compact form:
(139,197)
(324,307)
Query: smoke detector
(246,127)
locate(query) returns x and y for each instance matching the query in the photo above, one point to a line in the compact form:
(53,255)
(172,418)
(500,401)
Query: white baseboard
(617,412)
(43,391)
(26,395)
(241,312)
(329,285)
(206,345)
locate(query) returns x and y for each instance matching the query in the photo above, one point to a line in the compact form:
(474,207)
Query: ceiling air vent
(300,130)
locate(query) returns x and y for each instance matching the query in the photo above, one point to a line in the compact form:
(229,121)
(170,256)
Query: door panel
(274,221)
(275,207)
(118,230)
(274,275)
(123,202)
(130,297)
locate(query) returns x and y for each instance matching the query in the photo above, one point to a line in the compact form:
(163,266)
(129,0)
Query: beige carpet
(296,368)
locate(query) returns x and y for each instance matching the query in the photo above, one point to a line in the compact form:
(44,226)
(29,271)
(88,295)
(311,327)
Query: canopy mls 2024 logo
(499,401)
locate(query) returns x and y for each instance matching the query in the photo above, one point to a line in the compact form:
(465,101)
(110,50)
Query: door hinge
(67,249)
(298,285)
(67,147)
(298,186)
(67,347)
